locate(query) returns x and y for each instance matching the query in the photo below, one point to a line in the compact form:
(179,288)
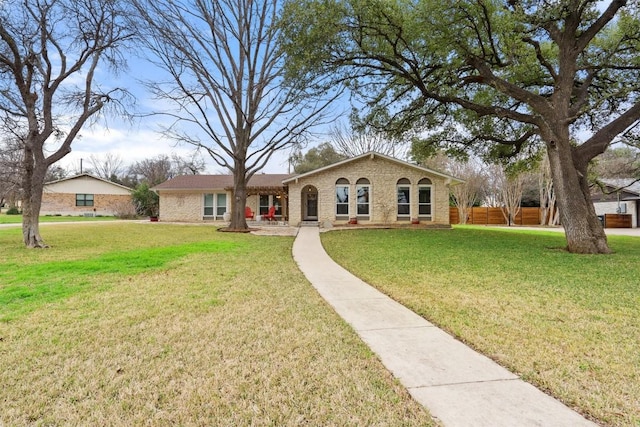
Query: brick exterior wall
(181,206)
(65,204)
(185,206)
(383,176)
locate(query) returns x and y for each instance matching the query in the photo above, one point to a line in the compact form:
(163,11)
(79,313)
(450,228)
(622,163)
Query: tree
(507,186)
(226,79)
(50,51)
(10,162)
(107,166)
(469,193)
(147,202)
(158,169)
(153,171)
(317,157)
(617,163)
(498,78)
(193,165)
(361,139)
(548,209)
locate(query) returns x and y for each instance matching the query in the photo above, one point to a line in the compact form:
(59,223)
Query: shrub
(13,211)
(124,209)
(146,201)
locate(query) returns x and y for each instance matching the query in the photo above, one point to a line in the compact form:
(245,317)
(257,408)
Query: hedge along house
(370,189)
(193,198)
(83,194)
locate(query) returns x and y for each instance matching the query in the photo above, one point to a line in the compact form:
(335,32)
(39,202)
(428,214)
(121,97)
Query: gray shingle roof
(219,182)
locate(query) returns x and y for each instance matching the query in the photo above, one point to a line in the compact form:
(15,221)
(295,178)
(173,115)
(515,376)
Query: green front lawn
(17,219)
(126,324)
(570,324)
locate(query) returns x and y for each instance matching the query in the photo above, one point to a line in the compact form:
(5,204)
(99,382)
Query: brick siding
(383,176)
(65,204)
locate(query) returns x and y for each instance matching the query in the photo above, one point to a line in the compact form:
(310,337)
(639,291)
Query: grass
(570,324)
(131,324)
(17,219)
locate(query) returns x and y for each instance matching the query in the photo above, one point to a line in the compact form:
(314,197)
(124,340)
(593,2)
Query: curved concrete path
(459,386)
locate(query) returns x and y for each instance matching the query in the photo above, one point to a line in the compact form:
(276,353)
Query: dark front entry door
(312,206)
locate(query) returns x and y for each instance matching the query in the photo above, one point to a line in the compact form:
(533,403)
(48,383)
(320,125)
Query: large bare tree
(50,51)
(226,80)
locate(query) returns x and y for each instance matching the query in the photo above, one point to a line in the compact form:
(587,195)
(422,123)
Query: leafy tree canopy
(317,157)
(501,79)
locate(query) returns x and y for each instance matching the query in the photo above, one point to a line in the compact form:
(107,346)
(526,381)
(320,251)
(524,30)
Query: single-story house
(368,189)
(83,194)
(193,198)
(620,196)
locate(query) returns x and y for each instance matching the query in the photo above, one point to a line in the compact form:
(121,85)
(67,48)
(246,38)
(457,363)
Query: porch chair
(248,213)
(271,216)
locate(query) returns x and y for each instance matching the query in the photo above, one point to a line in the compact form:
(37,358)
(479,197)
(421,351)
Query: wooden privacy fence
(494,216)
(617,221)
(526,216)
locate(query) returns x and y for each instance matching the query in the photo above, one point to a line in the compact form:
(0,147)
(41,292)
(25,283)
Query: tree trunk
(33,185)
(239,198)
(583,230)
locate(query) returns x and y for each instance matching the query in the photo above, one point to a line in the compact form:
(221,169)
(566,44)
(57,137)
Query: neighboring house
(367,189)
(83,194)
(620,196)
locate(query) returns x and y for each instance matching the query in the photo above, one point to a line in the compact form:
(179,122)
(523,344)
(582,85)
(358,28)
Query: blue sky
(142,139)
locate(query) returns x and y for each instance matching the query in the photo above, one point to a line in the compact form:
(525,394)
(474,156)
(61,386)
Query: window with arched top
(424,198)
(342,198)
(363,197)
(403,187)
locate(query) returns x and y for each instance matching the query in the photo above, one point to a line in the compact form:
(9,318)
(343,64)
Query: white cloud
(139,144)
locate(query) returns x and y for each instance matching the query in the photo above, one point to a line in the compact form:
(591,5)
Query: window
(208,205)
(84,199)
(342,197)
(363,191)
(215,205)
(277,202)
(266,200)
(221,204)
(404,197)
(424,197)
(263,207)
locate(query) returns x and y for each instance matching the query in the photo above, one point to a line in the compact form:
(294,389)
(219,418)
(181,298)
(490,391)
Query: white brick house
(367,189)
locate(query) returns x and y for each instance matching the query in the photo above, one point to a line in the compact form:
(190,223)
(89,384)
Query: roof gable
(218,182)
(85,176)
(628,185)
(372,155)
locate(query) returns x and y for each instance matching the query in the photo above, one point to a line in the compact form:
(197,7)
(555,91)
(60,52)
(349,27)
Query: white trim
(430,187)
(336,204)
(214,206)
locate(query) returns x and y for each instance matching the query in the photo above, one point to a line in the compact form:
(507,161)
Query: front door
(310,205)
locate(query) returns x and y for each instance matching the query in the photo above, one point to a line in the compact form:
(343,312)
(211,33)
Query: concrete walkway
(457,385)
